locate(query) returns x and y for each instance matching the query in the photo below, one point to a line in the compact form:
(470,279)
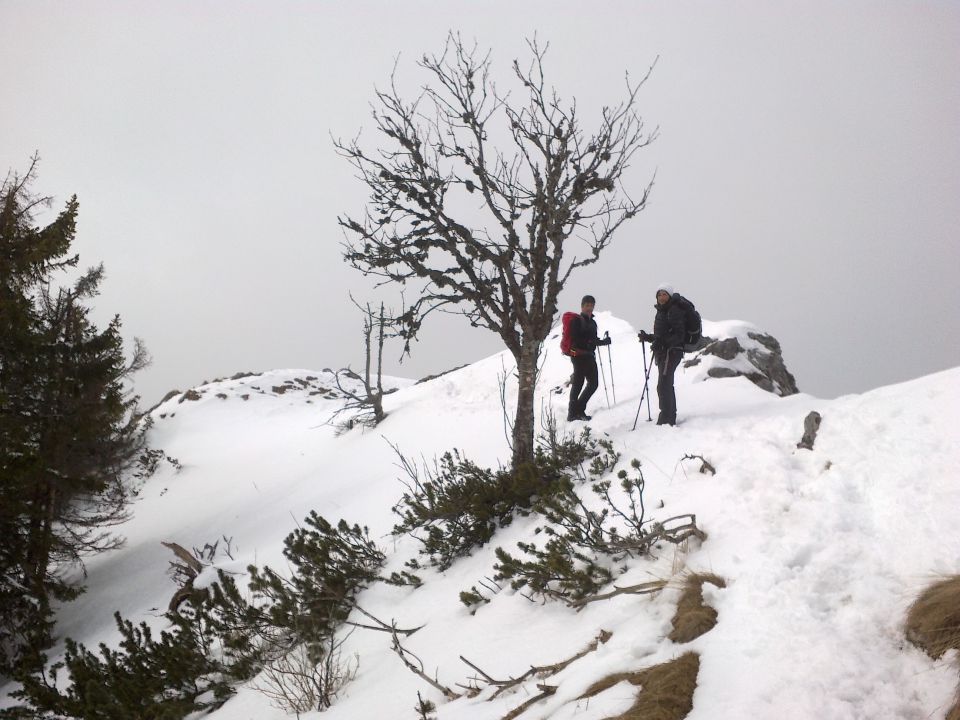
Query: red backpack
(565,339)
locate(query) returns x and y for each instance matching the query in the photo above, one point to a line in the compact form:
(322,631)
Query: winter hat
(666,287)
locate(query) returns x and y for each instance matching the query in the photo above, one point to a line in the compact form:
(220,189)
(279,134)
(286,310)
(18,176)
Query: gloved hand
(645,336)
(605,340)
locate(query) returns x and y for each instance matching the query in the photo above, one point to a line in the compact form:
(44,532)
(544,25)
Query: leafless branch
(647,588)
(548,201)
(415,665)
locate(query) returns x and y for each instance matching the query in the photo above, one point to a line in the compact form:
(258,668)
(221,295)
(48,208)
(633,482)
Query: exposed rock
(756,356)
(169,396)
(190,395)
(428,378)
(771,364)
(726,349)
(811,424)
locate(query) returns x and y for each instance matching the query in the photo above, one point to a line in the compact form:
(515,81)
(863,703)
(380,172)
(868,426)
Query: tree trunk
(523,424)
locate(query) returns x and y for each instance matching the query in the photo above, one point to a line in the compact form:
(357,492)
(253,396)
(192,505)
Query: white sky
(808,168)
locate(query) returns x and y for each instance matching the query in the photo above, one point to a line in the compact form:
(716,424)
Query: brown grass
(666,690)
(694,617)
(933,621)
(954,714)
(933,624)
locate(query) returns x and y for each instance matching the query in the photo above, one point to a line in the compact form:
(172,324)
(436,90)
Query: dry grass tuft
(933,624)
(954,714)
(694,617)
(933,621)
(666,690)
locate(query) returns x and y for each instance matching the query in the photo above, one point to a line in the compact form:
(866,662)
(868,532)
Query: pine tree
(68,427)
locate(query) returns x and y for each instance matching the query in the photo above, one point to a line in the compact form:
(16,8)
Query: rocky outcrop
(745,352)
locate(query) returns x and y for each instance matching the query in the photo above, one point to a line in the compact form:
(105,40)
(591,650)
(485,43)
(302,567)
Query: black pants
(666,367)
(584,368)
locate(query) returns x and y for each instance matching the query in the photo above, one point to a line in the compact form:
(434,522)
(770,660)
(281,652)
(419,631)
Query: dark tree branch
(489,230)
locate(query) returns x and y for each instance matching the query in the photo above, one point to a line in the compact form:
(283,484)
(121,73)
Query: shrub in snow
(331,565)
(296,683)
(150,678)
(588,542)
(459,505)
(219,637)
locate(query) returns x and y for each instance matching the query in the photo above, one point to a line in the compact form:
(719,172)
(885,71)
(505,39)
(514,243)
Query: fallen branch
(647,588)
(381,626)
(403,653)
(705,466)
(535,671)
(183,572)
(546,691)
(184,554)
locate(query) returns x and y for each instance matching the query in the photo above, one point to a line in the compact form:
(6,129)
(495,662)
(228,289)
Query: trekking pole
(646,380)
(646,388)
(613,384)
(603,375)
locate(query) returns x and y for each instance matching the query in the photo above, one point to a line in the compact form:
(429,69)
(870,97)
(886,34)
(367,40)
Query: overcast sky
(807,169)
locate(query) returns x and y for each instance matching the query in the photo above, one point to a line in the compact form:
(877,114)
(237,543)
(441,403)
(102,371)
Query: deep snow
(822,550)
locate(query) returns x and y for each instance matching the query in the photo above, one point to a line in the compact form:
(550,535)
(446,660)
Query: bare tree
(481,230)
(367,404)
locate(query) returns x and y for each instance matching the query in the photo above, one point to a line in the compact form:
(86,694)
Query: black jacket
(669,327)
(583,335)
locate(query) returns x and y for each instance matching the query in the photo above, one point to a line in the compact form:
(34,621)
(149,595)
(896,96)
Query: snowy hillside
(822,551)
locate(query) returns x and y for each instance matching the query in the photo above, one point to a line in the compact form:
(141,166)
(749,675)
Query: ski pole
(603,375)
(613,384)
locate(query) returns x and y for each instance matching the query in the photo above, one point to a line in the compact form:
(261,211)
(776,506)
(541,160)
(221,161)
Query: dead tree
(367,403)
(491,229)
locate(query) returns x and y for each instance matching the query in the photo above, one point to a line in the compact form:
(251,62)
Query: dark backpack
(566,339)
(692,324)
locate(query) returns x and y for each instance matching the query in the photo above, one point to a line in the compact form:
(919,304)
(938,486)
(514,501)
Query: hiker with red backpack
(579,341)
(676,328)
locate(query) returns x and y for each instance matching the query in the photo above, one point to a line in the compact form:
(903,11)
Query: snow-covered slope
(822,550)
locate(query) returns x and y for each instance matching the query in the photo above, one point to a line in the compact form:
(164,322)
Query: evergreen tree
(68,429)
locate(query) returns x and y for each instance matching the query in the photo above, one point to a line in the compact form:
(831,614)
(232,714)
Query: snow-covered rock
(735,349)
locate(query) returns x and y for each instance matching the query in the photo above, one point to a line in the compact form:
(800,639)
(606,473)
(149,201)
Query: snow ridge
(822,550)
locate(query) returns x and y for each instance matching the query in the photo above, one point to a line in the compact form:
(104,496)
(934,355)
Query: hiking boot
(584,416)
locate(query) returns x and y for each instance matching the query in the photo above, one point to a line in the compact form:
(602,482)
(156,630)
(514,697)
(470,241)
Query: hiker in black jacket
(668,336)
(584,340)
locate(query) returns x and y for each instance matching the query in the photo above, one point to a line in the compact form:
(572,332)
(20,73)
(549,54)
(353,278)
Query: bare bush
(298,683)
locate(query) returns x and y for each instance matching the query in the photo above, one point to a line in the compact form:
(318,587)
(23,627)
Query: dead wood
(536,671)
(381,626)
(184,554)
(184,572)
(647,588)
(417,669)
(546,691)
(705,466)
